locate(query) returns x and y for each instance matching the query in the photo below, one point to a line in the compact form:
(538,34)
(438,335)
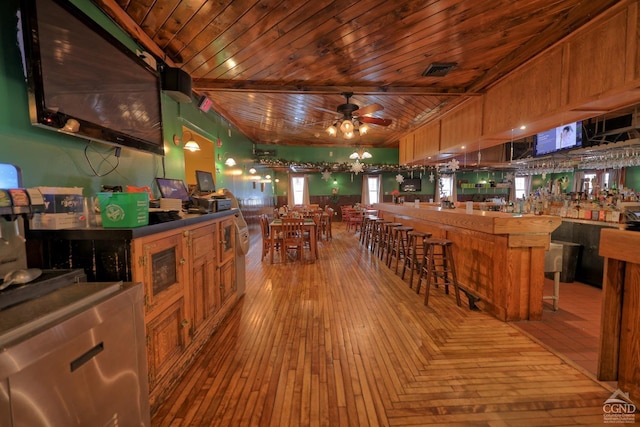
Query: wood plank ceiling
(276,69)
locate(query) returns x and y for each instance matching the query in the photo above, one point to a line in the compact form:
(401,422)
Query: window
(446,186)
(373,189)
(588,183)
(298,190)
(521,187)
(606,180)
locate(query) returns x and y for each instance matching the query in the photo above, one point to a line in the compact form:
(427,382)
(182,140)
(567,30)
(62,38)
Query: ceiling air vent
(439,69)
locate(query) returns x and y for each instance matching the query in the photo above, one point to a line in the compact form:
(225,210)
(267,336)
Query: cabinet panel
(167,339)
(204,295)
(227,280)
(162,264)
(227,240)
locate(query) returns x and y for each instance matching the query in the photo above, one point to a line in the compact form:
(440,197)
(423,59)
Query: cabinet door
(204,296)
(167,339)
(227,280)
(162,264)
(227,240)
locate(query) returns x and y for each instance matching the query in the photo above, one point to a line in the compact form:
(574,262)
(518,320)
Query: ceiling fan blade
(368,109)
(326,110)
(375,121)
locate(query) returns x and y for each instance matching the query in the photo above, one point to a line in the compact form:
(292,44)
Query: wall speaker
(177,84)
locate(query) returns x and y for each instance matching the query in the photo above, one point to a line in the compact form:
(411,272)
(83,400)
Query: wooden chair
(292,235)
(326,221)
(266,236)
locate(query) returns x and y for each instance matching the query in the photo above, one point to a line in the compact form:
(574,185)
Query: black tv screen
(410,185)
(561,138)
(85,82)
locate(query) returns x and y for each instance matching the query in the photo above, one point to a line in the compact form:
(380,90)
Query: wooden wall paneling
(632,51)
(597,59)
(427,140)
(530,93)
(406,149)
(462,126)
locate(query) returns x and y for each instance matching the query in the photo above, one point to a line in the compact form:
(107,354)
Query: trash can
(570,254)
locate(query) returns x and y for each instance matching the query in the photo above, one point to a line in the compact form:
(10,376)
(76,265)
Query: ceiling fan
(354,119)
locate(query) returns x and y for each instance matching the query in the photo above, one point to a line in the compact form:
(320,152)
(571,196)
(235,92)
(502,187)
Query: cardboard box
(55,221)
(62,199)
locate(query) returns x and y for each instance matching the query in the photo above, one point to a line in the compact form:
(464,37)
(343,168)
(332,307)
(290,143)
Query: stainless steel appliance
(75,357)
(71,353)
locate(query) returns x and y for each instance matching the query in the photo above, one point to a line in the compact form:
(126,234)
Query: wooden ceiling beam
(212,85)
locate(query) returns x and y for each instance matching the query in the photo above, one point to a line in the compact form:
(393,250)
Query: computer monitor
(173,189)
(205,182)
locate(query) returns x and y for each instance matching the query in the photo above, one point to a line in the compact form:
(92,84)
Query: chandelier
(349,127)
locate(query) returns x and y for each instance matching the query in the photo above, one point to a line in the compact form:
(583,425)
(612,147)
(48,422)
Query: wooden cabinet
(190,285)
(187,266)
(203,255)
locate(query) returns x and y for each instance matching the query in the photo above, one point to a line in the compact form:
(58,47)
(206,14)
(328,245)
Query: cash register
(208,200)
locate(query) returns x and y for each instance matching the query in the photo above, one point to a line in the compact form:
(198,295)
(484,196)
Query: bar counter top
(128,233)
(485,221)
(499,256)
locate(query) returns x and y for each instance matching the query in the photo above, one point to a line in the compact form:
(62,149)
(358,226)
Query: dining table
(309,225)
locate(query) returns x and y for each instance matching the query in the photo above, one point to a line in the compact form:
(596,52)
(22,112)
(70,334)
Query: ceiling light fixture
(349,127)
(191,144)
(360,154)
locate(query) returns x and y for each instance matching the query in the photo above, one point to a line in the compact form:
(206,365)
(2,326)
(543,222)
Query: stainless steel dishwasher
(75,357)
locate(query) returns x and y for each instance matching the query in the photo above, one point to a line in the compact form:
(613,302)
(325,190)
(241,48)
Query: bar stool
(376,234)
(399,244)
(438,265)
(365,230)
(385,245)
(415,254)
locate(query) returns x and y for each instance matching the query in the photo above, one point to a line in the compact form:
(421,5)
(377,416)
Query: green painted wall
(348,183)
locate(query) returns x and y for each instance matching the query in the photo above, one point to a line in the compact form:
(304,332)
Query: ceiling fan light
(332,130)
(363,128)
(192,146)
(348,135)
(346,126)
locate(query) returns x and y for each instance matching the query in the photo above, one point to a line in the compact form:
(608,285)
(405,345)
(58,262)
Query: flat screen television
(173,189)
(204,180)
(83,81)
(410,185)
(561,138)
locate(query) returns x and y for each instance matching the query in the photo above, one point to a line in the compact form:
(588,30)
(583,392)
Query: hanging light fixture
(229,161)
(360,154)
(191,144)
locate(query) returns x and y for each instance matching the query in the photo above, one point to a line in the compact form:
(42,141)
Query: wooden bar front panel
(619,356)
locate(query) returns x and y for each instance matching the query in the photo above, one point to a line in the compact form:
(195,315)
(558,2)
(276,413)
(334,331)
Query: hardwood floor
(345,342)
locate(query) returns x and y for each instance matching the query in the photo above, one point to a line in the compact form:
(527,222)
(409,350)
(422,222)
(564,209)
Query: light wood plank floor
(345,342)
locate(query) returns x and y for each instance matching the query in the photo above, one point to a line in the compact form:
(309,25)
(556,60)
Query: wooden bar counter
(499,256)
(619,355)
